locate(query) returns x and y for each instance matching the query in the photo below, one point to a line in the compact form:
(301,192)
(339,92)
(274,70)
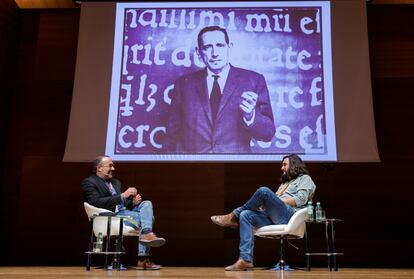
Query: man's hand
(248,104)
(130,192)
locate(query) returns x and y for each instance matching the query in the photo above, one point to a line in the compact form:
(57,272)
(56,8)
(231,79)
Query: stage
(79,272)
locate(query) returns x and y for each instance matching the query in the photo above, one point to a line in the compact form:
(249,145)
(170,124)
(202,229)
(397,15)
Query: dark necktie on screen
(215,97)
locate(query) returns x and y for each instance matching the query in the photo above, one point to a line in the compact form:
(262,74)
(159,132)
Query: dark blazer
(97,193)
(190,127)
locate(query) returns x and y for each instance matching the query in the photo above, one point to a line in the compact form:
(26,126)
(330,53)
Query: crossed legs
(262,209)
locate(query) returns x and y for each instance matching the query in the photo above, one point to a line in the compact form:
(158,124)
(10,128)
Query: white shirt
(221,80)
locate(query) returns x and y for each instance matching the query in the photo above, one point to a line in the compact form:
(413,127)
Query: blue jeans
(143,214)
(262,209)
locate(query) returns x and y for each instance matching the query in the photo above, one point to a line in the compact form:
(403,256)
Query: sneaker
(151,240)
(147,265)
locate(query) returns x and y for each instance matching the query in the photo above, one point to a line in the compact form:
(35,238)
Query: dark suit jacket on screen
(97,193)
(190,127)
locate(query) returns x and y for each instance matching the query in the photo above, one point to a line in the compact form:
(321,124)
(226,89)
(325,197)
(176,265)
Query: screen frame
(167,157)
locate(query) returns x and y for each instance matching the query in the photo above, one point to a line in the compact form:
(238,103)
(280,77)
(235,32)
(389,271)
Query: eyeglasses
(108,166)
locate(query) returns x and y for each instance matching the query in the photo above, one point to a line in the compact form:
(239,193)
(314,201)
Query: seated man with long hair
(268,208)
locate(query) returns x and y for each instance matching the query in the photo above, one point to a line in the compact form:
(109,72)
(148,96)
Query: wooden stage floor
(79,272)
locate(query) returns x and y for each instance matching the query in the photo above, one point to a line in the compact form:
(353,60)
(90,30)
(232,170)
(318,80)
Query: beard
(285,177)
(108,176)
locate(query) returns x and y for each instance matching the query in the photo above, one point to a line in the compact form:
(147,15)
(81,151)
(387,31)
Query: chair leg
(281,265)
(90,245)
(116,261)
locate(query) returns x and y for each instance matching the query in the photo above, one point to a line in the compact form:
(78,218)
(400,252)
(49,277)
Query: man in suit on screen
(220,108)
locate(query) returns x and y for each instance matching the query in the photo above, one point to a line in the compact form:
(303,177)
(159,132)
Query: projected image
(221,82)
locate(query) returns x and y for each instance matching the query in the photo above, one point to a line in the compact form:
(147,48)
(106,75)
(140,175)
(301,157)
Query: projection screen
(141,69)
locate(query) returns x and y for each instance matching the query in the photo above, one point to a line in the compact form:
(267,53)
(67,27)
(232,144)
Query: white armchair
(100,223)
(293,230)
(104,221)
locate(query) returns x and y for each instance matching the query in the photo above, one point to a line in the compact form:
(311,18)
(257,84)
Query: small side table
(331,252)
(106,252)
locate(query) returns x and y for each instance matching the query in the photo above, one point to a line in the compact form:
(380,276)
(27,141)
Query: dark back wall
(43,220)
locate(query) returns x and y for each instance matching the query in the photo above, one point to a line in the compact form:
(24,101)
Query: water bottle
(99,243)
(310,211)
(318,212)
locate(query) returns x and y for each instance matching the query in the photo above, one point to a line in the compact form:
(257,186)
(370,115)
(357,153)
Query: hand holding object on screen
(248,103)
